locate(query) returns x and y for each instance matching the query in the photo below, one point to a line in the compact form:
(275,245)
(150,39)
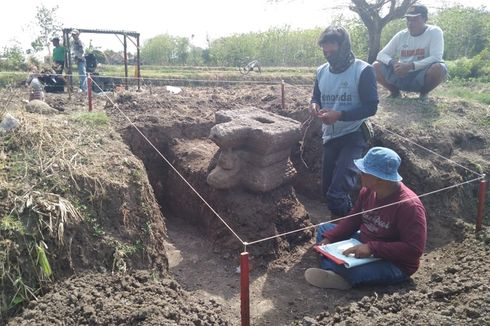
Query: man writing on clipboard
(396,232)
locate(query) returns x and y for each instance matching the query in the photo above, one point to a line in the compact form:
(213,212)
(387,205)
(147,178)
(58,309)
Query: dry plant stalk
(306,126)
(53,211)
(3,110)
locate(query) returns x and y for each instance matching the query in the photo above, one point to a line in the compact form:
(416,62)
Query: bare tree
(47,25)
(371,15)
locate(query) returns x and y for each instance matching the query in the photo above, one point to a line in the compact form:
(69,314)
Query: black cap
(56,38)
(416,10)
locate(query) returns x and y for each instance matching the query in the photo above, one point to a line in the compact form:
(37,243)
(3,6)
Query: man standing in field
(58,56)
(412,59)
(78,54)
(344,96)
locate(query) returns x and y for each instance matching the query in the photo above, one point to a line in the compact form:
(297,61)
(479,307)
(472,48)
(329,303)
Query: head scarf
(340,60)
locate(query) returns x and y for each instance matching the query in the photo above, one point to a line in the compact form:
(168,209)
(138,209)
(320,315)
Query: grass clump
(474,90)
(92,118)
(11,224)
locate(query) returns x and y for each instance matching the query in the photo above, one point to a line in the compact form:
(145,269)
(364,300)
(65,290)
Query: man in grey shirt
(78,55)
(412,59)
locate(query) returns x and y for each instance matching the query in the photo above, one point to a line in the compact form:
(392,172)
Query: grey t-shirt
(78,50)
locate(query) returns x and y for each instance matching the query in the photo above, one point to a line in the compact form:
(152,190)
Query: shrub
(12,58)
(476,67)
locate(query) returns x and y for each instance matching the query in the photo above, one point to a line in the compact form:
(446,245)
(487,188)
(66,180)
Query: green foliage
(11,224)
(391,29)
(24,293)
(92,118)
(466,31)
(476,67)
(121,251)
(234,50)
(472,89)
(47,25)
(359,37)
(113,57)
(92,221)
(165,50)
(12,58)
(99,54)
(37,45)
(275,47)
(281,46)
(42,260)
(486,120)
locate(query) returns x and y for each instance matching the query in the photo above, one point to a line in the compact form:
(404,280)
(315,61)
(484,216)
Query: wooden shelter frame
(133,37)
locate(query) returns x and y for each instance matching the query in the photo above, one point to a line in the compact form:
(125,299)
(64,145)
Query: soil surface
(202,285)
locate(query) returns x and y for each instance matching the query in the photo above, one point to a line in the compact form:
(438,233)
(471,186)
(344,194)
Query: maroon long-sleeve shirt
(397,233)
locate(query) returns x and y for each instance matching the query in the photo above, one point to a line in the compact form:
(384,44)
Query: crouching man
(395,231)
(412,59)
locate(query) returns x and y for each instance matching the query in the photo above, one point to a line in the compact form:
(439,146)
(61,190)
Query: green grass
(486,120)
(11,224)
(92,118)
(471,90)
(8,78)
(289,74)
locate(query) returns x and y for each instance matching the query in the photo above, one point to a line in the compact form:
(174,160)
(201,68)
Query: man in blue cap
(396,232)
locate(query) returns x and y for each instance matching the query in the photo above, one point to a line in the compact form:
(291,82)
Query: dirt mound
(135,298)
(89,165)
(73,198)
(399,124)
(179,125)
(452,289)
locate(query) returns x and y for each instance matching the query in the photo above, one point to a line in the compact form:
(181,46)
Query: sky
(197,20)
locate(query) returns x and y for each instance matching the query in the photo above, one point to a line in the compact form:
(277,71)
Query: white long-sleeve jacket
(422,50)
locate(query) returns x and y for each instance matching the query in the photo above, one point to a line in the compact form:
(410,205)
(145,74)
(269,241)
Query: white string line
(420,146)
(481,176)
(157,78)
(366,211)
(306,123)
(299,85)
(301,229)
(430,151)
(173,168)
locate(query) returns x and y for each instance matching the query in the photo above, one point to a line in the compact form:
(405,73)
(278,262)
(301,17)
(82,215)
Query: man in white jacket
(412,59)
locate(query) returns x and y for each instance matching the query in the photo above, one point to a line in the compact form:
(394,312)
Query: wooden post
(125,62)
(283,97)
(481,204)
(89,92)
(244,289)
(68,62)
(138,63)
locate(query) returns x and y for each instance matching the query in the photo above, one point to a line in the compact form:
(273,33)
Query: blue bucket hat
(381,162)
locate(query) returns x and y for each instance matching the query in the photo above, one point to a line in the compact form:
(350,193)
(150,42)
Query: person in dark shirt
(388,219)
(344,96)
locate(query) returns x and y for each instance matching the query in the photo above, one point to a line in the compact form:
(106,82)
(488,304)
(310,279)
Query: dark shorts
(412,82)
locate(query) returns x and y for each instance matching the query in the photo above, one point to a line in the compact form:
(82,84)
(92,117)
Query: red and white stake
(481,204)
(89,92)
(244,289)
(283,95)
